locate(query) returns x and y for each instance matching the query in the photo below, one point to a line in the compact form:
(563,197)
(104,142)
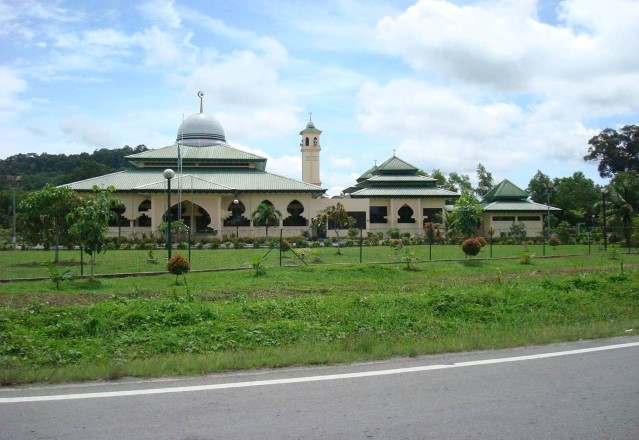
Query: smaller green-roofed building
(400,196)
(506,204)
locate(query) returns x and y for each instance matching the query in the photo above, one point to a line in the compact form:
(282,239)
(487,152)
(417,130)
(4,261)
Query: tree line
(581,200)
(38,170)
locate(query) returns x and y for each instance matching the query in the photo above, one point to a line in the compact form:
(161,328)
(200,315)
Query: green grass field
(316,314)
(32,263)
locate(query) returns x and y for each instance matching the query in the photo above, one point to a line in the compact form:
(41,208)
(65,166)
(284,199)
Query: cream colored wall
(533,228)
(217,207)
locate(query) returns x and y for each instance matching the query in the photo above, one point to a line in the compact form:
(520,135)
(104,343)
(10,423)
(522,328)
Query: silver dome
(200,130)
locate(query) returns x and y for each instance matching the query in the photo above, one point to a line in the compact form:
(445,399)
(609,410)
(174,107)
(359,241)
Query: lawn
(33,263)
(316,314)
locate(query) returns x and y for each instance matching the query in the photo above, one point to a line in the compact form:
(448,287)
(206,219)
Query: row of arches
(188,211)
(238,211)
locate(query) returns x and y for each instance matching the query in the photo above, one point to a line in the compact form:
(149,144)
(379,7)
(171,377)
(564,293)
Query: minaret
(310,146)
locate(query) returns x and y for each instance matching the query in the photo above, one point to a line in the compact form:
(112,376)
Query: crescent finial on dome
(200,94)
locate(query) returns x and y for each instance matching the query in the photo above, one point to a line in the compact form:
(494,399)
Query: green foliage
(517,232)
(466,215)
(553,241)
(408,257)
(335,218)
(91,222)
(57,275)
(256,263)
(351,311)
(266,215)
(178,265)
(179,230)
(526,257)
(44,216)
(616,151)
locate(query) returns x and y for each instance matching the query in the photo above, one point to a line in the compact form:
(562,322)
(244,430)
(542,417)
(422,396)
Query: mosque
(214,188)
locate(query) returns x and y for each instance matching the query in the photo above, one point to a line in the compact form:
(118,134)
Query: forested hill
(39,169)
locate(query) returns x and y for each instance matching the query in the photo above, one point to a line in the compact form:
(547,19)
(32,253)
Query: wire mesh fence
(126,257)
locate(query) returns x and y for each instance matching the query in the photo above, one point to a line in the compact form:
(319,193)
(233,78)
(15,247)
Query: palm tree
(266,215)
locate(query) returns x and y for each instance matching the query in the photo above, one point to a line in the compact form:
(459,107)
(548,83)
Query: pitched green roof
(395,165)
(505,190)
(220,154)
(389,192)
(201,180)
(516,206)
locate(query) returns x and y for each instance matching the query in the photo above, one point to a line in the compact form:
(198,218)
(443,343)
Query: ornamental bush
(471,246)
(178,265)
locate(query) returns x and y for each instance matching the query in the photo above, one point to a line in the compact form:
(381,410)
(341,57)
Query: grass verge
(306,316)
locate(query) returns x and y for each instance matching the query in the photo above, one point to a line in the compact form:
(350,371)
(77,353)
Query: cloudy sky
(518,85)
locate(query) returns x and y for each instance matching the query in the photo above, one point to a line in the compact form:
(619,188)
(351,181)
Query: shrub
(394,234)
(285,246)
(471,246)
(554,241)
(178,265)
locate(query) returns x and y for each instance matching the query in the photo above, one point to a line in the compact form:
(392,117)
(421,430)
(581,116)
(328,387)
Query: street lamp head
(550,185)
(168,174)
(604,191)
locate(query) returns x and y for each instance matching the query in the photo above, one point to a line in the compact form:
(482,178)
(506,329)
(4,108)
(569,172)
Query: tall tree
(616,151)
(44,216)
(91,221)
(624,203)
(576,196)
(484,181)
(459,182)
(266,215)
(538,187)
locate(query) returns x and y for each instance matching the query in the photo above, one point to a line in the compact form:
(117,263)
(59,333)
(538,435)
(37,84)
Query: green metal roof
(394,165)
(202,180)
(394,192)
(402,179)
(504,206)
(505,190)
(221,153)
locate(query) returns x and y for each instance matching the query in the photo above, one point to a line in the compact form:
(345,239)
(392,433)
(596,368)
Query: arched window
(306,142)
(144,206)
(405,215)
(295,210)
(237,215)
(117,219)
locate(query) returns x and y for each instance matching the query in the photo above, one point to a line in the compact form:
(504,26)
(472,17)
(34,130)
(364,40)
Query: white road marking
(257,383)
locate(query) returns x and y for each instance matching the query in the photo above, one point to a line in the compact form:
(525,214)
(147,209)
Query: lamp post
(604,192)
(549,188)
(168,175)
(236,219)
(14,181)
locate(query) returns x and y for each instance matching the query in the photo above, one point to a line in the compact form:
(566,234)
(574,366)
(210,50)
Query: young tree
(92,222)
(624,198)
(616,151)
(266,215)
(466,215)
(44,216)
(336,218)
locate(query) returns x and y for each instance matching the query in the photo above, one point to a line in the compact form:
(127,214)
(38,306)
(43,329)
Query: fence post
(280,246)
(81,261)
(360,244)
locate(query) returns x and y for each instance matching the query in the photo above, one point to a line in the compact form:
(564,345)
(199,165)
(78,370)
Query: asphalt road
(550,392)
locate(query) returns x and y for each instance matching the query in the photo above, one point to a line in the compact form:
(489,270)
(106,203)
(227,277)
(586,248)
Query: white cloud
(84,130)
(11,86)
(162,13)
(245,86)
